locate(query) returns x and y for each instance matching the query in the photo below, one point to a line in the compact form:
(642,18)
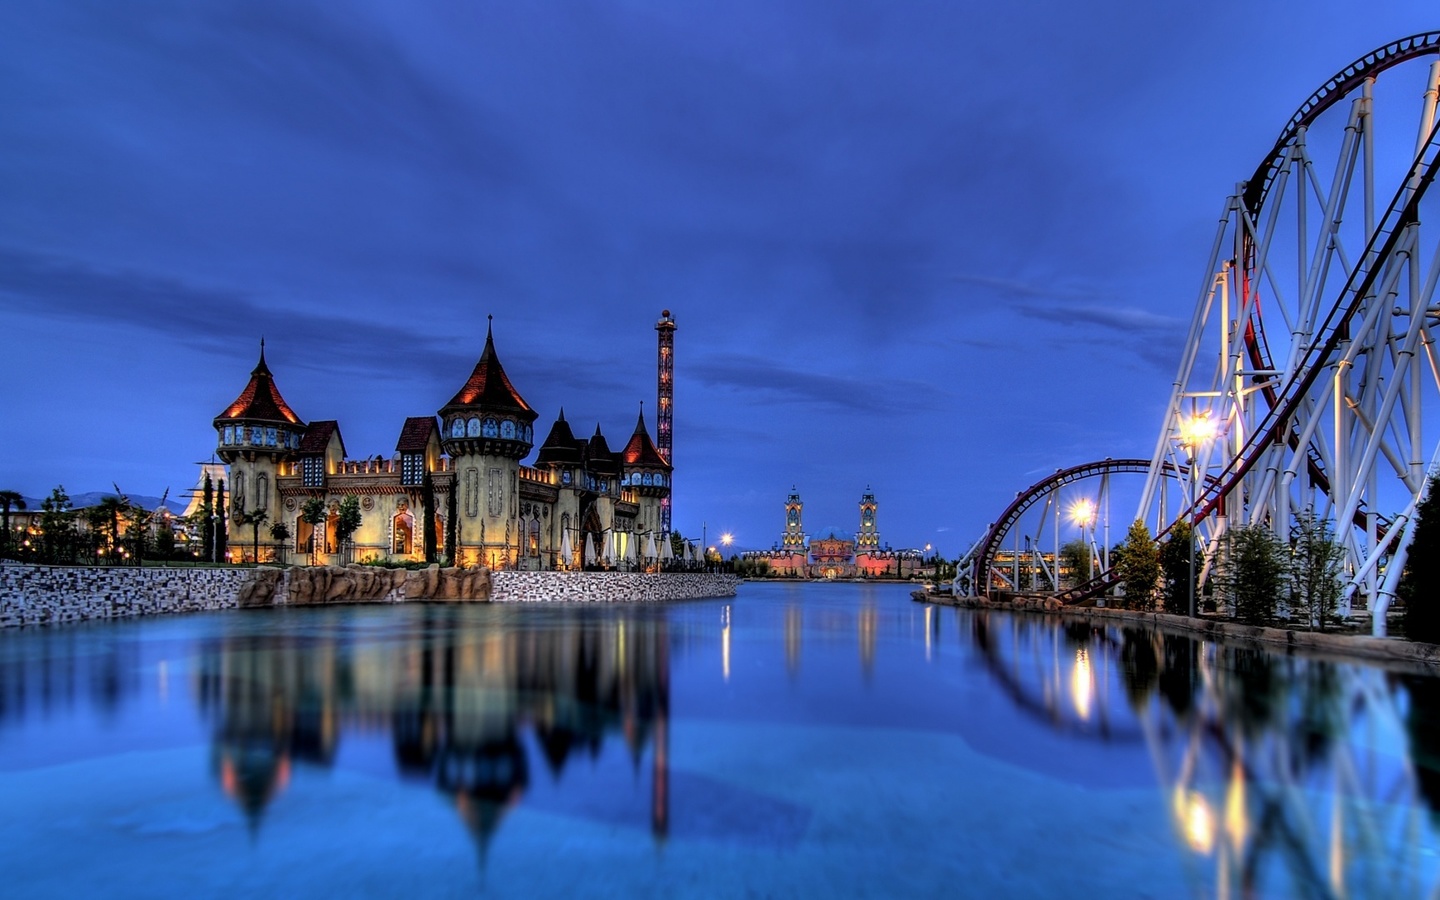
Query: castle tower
(256,434)
(665,409)
(867,538)
(793,541)
(646,472)
(486,429)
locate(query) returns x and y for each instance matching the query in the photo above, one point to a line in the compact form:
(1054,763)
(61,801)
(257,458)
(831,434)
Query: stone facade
(608,587)
(39,595)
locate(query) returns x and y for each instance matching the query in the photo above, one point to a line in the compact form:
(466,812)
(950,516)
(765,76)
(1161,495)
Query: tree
(104,517)
(349,519)
(165,540)
(427,504)
(1138,566)
(279,533)
(1176,568)
(314,514)
(452,523)
(206,512)
(1253,572)
(57,526)
(1315,566)
(254,518)
(1075,556)
(222,525)
(1420,585)
(8,500)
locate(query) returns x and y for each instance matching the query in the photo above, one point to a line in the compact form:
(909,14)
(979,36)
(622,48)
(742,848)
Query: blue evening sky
(938,248)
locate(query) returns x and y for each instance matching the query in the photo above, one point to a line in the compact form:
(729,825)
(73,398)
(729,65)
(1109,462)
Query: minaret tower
(868,538)
(794,538)
(665,408)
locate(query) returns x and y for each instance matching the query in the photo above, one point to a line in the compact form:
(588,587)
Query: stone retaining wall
(608,587)
(39,595)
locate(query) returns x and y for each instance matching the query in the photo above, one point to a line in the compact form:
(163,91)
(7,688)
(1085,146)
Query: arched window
(472,428)
(402,534)
(535,537)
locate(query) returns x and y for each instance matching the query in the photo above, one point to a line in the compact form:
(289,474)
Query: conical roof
(261,400)
(641,450)
(560,447)
(489,388)
(600,458)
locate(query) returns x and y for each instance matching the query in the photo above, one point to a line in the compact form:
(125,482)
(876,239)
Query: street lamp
(1194,431)
(1083,514)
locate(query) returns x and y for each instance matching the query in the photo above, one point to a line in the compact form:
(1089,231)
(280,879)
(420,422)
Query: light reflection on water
(792,738)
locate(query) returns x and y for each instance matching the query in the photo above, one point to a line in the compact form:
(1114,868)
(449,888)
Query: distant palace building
(834,553)
(456,484)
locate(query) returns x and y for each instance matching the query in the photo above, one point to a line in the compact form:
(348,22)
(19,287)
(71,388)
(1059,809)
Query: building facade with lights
(456,487)
(834,553)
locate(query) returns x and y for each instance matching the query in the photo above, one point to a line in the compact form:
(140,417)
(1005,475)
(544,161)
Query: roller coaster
(1310,354)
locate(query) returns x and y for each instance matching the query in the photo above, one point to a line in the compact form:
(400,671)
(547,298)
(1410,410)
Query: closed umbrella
(630,549)
(567,552)
(650,545)
(609,548)
(589,553)
(666,554)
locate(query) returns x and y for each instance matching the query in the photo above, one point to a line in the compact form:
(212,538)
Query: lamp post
(1194,430)
(1083,513)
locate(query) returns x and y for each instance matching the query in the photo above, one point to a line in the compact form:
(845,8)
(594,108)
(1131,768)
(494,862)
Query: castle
(833,553)
(455,487)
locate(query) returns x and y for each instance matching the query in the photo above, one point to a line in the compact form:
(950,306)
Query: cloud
(814,389)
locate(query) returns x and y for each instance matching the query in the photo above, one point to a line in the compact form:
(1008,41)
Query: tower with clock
(793,540)
(867,538)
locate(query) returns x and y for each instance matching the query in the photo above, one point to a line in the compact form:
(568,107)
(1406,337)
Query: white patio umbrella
(567,552)
(589,553)
(630,549)
(666,554)
(610,548)
(650,545)
(694,553)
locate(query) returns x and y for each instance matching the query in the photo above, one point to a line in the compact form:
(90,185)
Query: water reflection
(460,696)
(1281,773)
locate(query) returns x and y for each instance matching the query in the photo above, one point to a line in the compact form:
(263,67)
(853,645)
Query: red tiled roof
(415,435)
(317,437)
(261,400)
(489,387)
(641,450)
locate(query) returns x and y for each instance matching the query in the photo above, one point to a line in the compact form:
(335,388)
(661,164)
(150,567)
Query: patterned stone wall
(38,595)
(607,587)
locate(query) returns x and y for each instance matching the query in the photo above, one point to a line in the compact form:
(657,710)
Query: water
(801,740)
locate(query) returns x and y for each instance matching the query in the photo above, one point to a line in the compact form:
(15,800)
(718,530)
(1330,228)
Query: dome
(830,532)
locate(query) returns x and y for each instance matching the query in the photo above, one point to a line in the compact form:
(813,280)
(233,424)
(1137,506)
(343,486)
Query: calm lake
(798,740)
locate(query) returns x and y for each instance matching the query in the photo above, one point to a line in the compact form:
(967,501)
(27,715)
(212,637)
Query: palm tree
(255,518)
(8,499)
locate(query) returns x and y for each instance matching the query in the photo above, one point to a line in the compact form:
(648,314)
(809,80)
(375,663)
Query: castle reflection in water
(456,697)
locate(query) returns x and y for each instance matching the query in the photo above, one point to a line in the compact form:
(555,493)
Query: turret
(867,538)
(793,539)
(645,471)
(256,434)
(486,429)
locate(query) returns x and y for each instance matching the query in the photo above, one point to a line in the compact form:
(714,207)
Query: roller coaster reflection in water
(1288,775)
